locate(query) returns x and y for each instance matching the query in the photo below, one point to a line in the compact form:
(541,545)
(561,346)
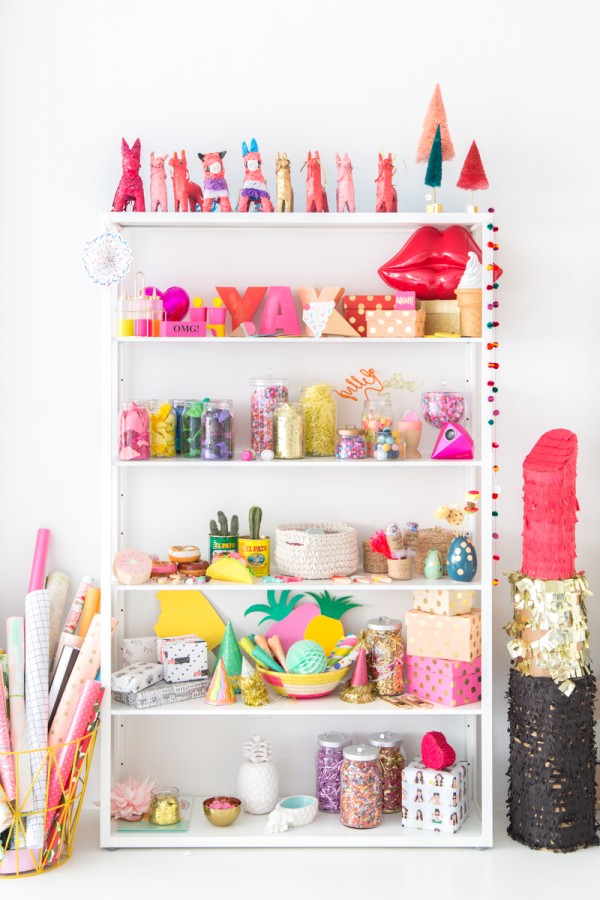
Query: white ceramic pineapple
(258,785)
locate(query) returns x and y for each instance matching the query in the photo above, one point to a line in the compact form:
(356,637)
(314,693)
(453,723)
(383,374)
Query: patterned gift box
(162,693)
(356,305)
(432,817)
(435,799)
(395,323)
(443,603)
(444,681)
(138,650)
(161,643)
(441,315)
(132,679)
(444,637)
(184,660)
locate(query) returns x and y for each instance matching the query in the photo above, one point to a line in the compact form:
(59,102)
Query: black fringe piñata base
(551,794)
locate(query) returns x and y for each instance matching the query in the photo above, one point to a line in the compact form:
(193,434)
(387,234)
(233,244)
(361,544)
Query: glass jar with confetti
(377,414)
(385,655)
(191,429)
(163,426)
(288,431)
(360,792)
(330,756)
(320,417)
(217,430)
(267,392)
(392,760)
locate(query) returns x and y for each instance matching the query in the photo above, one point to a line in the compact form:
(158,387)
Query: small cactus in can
(254,518)
(223,529)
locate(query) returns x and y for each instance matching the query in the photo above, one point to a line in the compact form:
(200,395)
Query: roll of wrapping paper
(62,759)
(90,607)
(7,771)
(37,643)
(57,832)
(57,585)
(15,642)
(66,640)
(72,620)
(85,669)
(40,555)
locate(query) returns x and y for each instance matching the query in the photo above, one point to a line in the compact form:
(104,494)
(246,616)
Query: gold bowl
(222,817)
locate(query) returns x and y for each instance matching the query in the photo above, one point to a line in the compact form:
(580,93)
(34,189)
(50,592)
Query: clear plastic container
(377,414)
(330,755)
(320,416)
(267,393)
(134,431)
(442,406)
(163,427)
(392,760)
(179,406)
(217,430)
(385,655)
(191,429)
(288,431)
(360,793)
(351,443)
(389,445)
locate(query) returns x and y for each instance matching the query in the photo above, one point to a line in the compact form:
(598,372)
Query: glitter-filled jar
(385,655)
(288,431)
(330,756)
(351,443)
(377,414)
(164,806)
(267,392)
(217,430)
(392,760)
(319,414)
(360,794)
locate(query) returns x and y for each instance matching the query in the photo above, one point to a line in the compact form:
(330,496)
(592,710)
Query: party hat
(359,690)
(220,692)
(359,675)
(231,655)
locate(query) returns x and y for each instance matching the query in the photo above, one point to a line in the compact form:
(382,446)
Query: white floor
(508,870)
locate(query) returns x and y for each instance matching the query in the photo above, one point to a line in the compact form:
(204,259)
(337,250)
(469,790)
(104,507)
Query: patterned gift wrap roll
(137,677)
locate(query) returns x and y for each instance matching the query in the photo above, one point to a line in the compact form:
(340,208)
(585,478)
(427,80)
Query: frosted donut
(184,554)
(198,567)
(163,567)
(132,567)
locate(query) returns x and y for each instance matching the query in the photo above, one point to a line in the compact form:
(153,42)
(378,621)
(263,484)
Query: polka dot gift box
(445,637)
(445,681)
(397,323)
(356,305)
(443,602)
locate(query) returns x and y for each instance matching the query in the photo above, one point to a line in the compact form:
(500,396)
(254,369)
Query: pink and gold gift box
(355,307)
(395,323)
(445,637)
(444,681)
(443,602)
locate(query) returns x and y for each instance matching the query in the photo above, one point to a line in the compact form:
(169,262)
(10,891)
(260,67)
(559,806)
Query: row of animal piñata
(190,197)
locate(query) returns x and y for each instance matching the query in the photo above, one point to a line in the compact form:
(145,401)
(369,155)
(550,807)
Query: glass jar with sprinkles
(385,655)
(360,794)
(351,443)
(330,756)
(392,760)
(267,392)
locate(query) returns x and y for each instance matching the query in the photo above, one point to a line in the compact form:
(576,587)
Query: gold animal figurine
(285,193)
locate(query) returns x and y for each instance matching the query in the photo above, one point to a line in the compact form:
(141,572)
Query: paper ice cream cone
(469,303)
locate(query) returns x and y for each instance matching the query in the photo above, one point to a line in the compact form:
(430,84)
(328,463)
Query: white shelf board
(325,831)
(330,221)
(309,461)
(281,706)
(413,584)
(296,340)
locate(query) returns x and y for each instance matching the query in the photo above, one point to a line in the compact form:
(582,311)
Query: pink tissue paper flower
(130,799)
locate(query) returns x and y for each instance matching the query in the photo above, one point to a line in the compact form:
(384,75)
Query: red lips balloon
(431,263)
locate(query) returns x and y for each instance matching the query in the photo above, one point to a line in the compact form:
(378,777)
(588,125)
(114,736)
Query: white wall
(355,77)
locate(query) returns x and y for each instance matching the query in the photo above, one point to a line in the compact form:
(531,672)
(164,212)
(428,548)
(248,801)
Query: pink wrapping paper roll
(40,555)
(72,620)
(62,769)
(7,769)
(85,669)
(15,645)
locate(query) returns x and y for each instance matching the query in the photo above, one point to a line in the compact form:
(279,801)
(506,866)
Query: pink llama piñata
(316,198)
(158,183)
(254,188)
(345,184)
(130,189)
(187,194)
(216,191)
(386,197)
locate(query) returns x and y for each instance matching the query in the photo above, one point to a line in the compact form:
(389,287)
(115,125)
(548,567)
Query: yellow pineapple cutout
(188,612)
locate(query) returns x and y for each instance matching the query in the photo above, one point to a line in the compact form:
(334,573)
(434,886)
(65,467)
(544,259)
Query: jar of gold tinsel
(392,760)
(385,655)
(164,806)
(288,431)
(319,412)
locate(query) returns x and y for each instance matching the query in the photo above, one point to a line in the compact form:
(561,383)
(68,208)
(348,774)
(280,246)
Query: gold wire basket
(60,814)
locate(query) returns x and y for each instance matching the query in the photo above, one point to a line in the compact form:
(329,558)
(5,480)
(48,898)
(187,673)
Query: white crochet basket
(304,555)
